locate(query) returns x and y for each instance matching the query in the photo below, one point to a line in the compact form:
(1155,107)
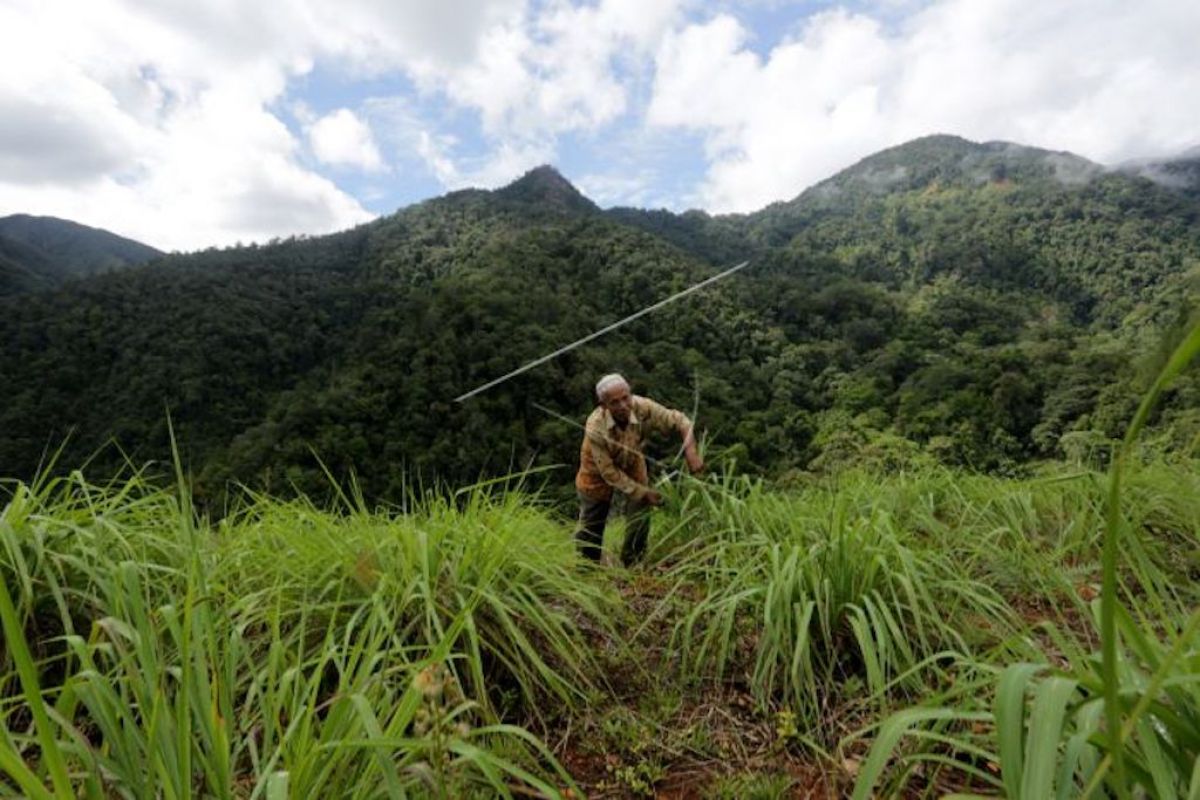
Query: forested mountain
(1181,174)
(996,214)
(41,252)
(980,304)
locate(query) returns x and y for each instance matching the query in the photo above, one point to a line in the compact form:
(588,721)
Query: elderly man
(611,459)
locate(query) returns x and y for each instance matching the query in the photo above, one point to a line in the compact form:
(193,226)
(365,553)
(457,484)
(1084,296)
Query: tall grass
(820,601)
(287,651)
(1123,722)
(290,650)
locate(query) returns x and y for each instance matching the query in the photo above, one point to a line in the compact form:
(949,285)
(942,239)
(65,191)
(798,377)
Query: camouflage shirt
(611,456)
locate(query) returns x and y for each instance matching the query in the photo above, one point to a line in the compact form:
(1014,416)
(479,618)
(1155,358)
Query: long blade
(599,333)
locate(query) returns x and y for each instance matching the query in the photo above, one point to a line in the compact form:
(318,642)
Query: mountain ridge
(974,322)
(545,185)
(43,252)
(911,164)
(1179,173)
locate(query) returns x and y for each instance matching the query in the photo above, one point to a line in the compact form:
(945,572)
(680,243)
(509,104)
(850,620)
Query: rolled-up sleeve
(657,418)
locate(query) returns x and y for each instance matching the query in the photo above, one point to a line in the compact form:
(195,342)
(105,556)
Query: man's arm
(661,418)
(691,455)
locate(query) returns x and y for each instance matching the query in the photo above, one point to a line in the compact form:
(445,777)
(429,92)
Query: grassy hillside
(899,634)
(947,543)
(455,647)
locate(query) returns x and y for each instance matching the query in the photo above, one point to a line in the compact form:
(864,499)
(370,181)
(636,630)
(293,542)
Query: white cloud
(435,150)
(341,138)
(216,173)
(499,166)
(425,39)
(610,190)
(159,119)
(554,72)
(154,121)
(1108,80)
(506,162)
(540,75)
(421,146)
(163,120)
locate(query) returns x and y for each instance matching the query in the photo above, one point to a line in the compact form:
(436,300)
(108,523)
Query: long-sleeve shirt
(611,456)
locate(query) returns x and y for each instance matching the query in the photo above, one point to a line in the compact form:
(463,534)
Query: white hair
(608,382)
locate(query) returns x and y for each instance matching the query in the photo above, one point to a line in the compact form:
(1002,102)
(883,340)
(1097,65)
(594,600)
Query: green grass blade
(1010,723)
(890,733)
(14,766)
(1179,359)
(1045,733)
(14,637)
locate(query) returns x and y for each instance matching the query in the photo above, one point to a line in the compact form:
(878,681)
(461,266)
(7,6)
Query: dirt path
(658,735)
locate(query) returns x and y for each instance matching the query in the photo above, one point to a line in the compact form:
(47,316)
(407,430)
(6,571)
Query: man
(611,459)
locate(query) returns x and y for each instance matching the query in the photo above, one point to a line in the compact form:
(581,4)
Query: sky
(187,124)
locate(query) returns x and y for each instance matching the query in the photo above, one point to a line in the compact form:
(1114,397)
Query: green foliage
(752,787)
(820,599)
(42,252)
(349,653)
(1127,720)
(968,304)
(428,651)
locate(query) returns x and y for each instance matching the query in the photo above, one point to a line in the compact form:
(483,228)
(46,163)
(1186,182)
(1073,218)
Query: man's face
(619,402)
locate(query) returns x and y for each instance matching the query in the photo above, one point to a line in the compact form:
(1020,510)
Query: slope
(999,215)
(45,251)
(915,321)
(1180,174)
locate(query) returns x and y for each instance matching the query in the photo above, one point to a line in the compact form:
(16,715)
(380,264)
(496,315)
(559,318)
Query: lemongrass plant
(279,653)
(1122,722)
(816,603)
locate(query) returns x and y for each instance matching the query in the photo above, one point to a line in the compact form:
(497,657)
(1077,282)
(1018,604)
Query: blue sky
(191,124)
(670,164)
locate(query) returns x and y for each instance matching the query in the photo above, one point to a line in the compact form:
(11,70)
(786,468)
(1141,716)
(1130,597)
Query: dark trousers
(593,514)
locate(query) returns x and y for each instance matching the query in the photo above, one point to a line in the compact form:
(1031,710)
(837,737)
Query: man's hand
(654,497)
(690,453)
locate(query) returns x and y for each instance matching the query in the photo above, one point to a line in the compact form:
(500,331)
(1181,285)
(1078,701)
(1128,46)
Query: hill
(1180,174)
(999,215)
(993,214)
(458,648)
(545,188)
(41,252)
(983,305)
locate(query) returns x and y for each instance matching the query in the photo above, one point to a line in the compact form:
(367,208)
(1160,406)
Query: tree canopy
(983,305)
